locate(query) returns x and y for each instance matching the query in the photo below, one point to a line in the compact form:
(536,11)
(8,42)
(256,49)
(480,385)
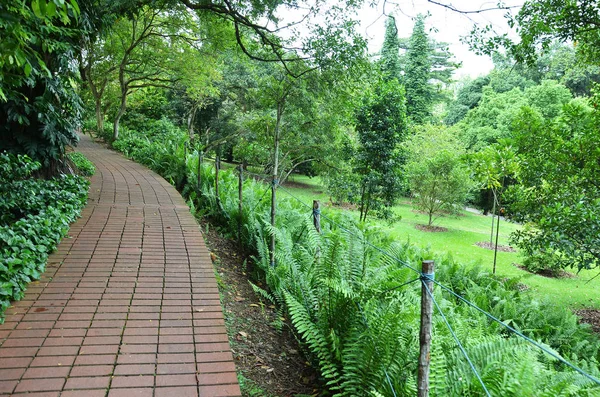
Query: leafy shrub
(34,216)
(84,166)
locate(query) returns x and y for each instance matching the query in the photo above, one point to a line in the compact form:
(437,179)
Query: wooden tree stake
(317,215)
(425,331)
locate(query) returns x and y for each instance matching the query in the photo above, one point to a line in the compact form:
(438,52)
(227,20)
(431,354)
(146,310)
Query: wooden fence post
(240,203)
(428,270)
(317,215)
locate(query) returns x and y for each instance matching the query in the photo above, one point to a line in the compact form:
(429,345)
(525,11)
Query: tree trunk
(274,182)
(119,115)
(199,171)
(191,120)
(493,216)
(362,202)
(99,117)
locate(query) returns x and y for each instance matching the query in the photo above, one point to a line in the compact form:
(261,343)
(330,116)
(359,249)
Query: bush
(84,166)
(34,216)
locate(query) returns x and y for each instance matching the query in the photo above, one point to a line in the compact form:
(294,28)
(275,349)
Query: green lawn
(459,241)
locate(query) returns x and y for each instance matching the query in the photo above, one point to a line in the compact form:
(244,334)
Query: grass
(459,241)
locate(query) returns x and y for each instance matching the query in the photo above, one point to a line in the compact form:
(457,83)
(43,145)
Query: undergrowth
(357,321)
(34,216)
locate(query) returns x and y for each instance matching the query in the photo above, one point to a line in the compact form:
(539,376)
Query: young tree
(381,127)
(153,47)
(493,167)
(439,180)
(417,74)
(557,194)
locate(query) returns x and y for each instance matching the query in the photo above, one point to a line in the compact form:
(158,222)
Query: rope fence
(424,278)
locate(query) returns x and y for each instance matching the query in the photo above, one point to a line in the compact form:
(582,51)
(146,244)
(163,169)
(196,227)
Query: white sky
(442,24)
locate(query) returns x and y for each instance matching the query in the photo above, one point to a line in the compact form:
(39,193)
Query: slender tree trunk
(199,170)
(99,116)
(119,115)
(191,120)
(496,246)
(240,202)
(274,182)
(493,217)
(362,202)
(367,202)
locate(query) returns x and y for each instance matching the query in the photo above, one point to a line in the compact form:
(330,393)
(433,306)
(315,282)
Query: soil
(300,185)
(590,316)
(433,229)
(269,358)
(501,248)
(547,273)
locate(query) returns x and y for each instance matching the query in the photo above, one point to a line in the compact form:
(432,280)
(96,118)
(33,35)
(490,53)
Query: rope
(400,286)
(528,339)
(260,199)
(383,252)
(460,346)
(430,277)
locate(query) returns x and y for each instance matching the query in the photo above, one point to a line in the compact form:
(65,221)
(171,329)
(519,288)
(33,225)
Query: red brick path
(128,305)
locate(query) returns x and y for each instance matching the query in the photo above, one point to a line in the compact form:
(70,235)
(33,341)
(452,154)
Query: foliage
(558,192)
(541,22)
(494,168)
(34,216)
(152,47)
(417,74)
(84,166)
(38,105)
(381,127)
(390,62)
(438,179)
(493,119)
(467,98)
(358,324)
(162,148)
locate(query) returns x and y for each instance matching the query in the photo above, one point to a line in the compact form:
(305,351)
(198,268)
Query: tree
(390,61)
(153,47)
(490,121)
(557,194)
(38,105)
(494,167)
(539,23)
(468,97)
(439,180)
(381,127)
(496,113)
(417,74)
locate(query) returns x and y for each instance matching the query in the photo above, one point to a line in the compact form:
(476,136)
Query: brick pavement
(128,305)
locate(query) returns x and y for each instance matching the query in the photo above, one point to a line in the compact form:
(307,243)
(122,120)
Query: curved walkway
(128,305)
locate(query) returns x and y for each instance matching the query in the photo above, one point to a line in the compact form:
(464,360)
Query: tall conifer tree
(417,74)
(390,62)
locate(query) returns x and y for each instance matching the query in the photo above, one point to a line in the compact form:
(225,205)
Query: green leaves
(558,190)
(34,216)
